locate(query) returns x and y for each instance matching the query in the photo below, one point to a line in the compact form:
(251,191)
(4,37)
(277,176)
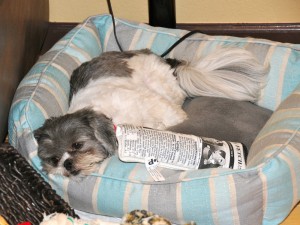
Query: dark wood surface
(23,28)
(55,32)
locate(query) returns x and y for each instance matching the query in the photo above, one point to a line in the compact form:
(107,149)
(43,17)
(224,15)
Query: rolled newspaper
(178,151)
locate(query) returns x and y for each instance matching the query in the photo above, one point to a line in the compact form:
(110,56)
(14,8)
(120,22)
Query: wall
(188,11)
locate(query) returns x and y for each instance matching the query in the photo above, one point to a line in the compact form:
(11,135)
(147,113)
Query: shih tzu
(138,88)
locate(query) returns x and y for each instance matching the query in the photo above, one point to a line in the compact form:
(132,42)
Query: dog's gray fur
(93,131)
(106,65)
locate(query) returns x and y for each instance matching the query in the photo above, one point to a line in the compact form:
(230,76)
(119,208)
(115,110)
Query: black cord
(179,41)
(162,55)
(114,24)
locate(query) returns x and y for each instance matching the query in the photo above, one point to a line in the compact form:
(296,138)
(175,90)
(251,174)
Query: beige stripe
(220,43)
(34,153)
(281,147)
(179,199)
(92,32)
(294,179)
(283,114)
(199,50)
(145,196)
(255,41)
(295,151)
(63,42)
(296,92)
(283,110)
(135,39)
(172,53)
(16,102)
(52,61)
(107,36)
(290,101)
(29,81)
(96,187)
(59,99)
(263,179)
(281,76)
(62,69)
(263,154)
(37,104)
(50,89)
(258,138)
(65,189)
(126,197)
(61,49)
(279,118)
(46,63)
(212,191)
(41,108)
(270,54)
(23,119)
(77,49)
(267,61)
(249,40)
(151,39)
(57,66)
(234,210)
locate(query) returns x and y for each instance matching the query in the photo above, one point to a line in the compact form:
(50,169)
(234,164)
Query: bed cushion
(264,193)
(223,119)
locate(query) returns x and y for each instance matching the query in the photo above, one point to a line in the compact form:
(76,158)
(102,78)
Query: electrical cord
(162,55)
(114,24)
(179,41)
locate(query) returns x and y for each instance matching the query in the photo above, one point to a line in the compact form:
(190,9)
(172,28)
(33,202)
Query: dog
(139,88)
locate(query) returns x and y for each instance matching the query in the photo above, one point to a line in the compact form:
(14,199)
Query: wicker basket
(24,195)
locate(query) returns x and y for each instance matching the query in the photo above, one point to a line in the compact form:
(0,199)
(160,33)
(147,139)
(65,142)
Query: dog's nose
(68,164)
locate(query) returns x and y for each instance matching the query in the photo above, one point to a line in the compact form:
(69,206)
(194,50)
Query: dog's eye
(41,137)
(54,160)
(77,145)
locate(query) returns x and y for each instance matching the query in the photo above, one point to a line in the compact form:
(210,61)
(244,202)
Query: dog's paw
(143,217)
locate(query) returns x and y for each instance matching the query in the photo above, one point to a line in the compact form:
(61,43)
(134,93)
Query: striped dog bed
(264,193)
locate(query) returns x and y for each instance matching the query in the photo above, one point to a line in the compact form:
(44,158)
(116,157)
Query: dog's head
(75,143)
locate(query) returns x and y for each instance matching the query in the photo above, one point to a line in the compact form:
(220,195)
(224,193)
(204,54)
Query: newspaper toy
(177,151)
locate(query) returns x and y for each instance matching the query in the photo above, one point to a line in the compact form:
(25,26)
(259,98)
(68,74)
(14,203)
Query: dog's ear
(104,131)
(40,135)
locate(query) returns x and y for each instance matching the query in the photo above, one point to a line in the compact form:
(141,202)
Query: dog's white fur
(153,96)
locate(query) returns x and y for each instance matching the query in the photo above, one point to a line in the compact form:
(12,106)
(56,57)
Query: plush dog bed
(264,193)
